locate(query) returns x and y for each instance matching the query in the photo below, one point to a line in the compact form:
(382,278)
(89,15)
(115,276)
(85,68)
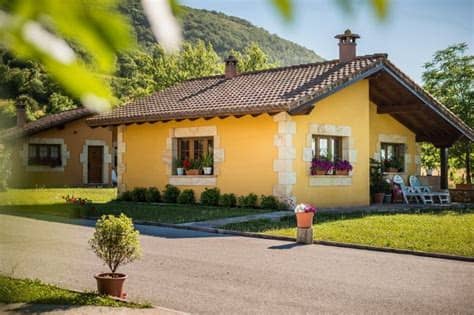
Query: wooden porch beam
(443,155)
(393,109)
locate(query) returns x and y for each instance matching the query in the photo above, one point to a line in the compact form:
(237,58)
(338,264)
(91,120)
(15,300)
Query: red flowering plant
(342,165)
(187,164)
(305,207)
(76,200)
(321,164)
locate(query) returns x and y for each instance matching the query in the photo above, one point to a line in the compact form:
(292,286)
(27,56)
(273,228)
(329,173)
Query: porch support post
(443,156)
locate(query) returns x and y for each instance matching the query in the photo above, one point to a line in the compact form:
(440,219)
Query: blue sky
(413,31)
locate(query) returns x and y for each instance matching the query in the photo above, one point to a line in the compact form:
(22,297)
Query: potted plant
(179,166)
(117,243)
(304,215)
(378,185)
(320,166)
(194,167)
(342,167)
(392,165)
(207,163)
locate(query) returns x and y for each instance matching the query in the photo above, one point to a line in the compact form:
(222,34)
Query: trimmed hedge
(152,194)
(210,196)
(249,201)
(269,202)
(186,197)
(228,200)
(138,194)
(170,194)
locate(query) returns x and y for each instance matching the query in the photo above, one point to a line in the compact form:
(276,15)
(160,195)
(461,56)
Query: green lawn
(48,201)
(33,291)
(450,232)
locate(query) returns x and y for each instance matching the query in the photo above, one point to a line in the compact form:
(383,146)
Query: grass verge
(35,292)
(447,231)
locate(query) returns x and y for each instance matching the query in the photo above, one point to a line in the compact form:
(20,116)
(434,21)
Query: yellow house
(263,129)
(59,150)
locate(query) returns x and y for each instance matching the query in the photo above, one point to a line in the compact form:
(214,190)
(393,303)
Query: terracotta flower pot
(342,172)
(304,219)
(392,170)
(111,284)
(320,172)
(193,171)
(378,198)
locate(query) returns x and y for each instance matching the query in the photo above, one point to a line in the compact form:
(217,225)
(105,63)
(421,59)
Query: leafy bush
(116,241)
(152,194)
(170,194)
(138,194)
(269,202)
(5,168)
(249,201)
(186,197)
(125,196)
(210,196)
(228,200)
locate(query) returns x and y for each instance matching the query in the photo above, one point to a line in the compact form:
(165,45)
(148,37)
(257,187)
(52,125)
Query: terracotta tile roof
(46,122)
(266,91)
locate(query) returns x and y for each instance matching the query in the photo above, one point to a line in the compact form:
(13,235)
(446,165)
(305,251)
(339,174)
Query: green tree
(143,73)
(450,78)
(253,58)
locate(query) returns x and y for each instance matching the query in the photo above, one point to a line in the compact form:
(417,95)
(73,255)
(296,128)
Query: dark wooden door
(95,160)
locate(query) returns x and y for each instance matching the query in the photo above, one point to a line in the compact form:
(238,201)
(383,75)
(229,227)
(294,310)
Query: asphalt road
(214,274)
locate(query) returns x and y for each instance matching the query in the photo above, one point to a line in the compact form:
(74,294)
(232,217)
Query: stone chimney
(20,113)
(230,67)
(347,45)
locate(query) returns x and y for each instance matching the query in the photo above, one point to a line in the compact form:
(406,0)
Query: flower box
(342,172)
(319,172)
(193,171)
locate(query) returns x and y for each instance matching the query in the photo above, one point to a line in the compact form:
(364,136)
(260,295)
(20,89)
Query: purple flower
(321,165)
(344,165)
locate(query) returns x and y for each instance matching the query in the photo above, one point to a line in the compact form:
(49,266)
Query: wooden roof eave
(307,106)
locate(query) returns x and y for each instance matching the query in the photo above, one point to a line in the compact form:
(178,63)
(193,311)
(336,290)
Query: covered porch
(397,95)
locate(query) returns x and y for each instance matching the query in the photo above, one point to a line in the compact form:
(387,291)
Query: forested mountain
(224,32)
(209,38)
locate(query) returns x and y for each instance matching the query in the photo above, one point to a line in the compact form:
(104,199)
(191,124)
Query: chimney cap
(347,34)
(231,58)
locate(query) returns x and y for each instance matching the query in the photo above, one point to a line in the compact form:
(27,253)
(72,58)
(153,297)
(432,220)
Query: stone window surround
(121,167)
(106,160)
(348,153)
(171,151)
(393,138)
(43,168)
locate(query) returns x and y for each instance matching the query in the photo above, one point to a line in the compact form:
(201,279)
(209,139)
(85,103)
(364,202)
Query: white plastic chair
(409,193)
(442,196)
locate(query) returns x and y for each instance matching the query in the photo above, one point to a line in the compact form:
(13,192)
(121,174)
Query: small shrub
(210,196)
(125,196)
(116,241)
(269,202)
(228,200)
(187,197)
(138,194)
(249,201)
(170,194)
(152,194)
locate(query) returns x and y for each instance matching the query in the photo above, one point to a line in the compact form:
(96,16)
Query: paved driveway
(209,274)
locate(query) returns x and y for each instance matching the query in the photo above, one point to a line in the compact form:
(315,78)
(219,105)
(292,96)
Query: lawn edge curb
(324,243)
